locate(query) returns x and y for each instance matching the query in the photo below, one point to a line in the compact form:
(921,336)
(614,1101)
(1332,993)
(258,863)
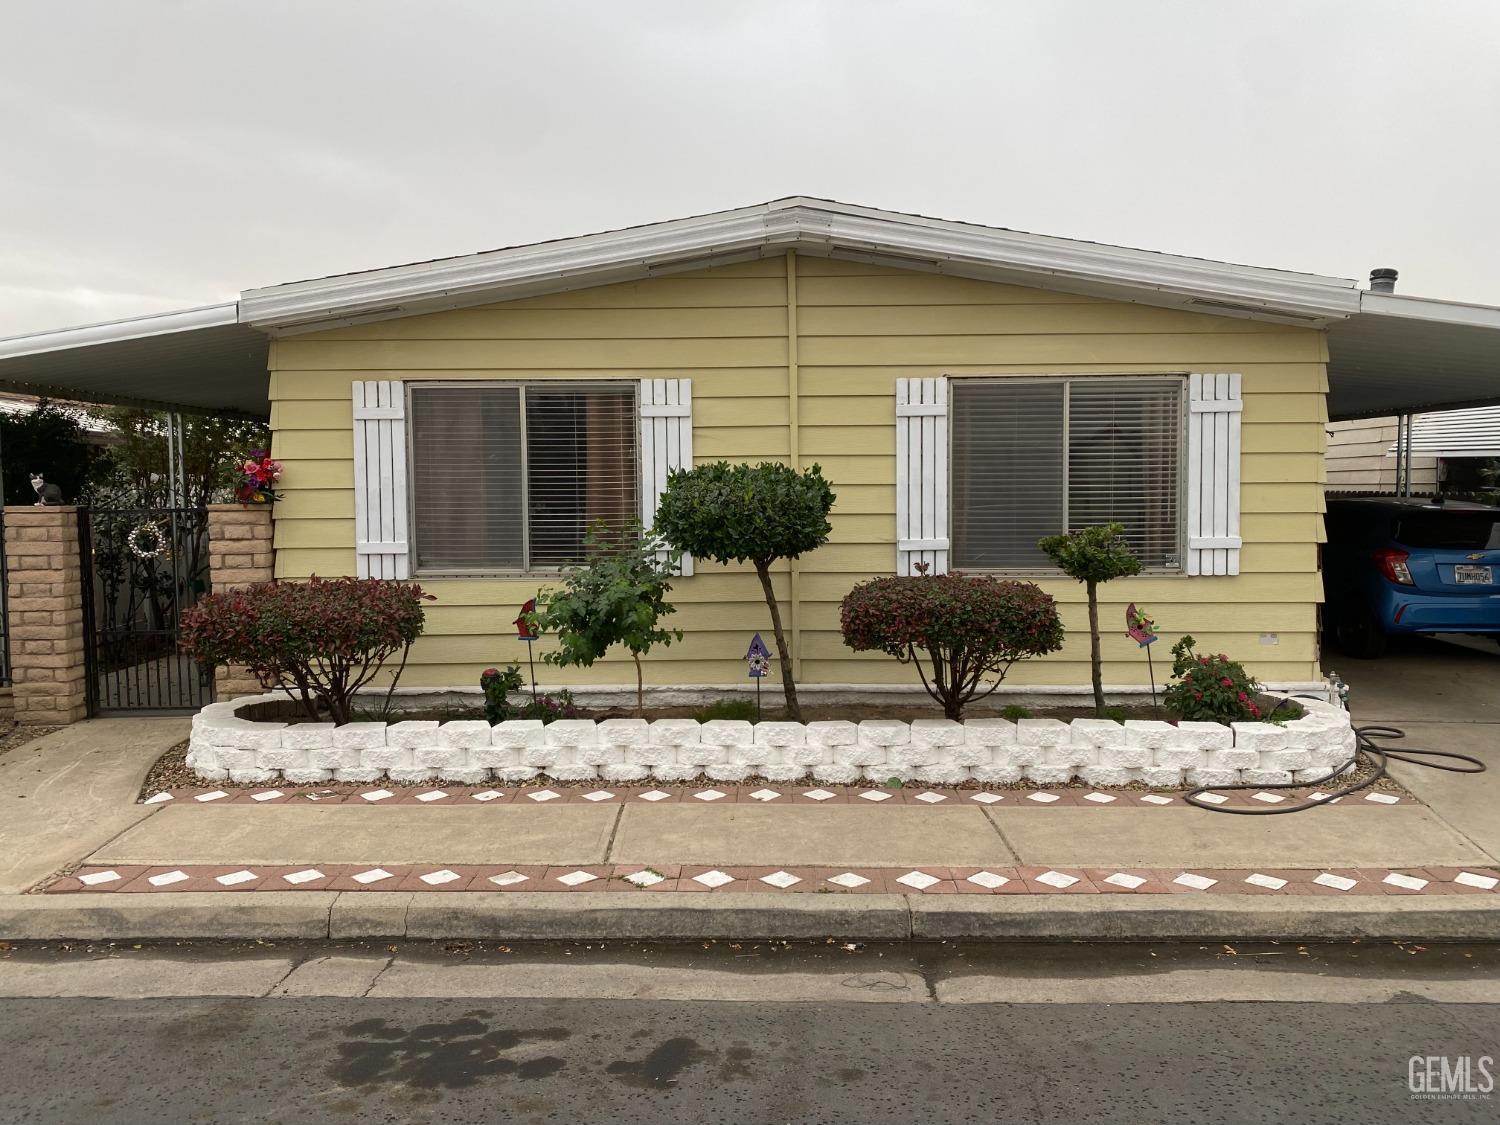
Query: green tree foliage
(617,596)
(759,514)
(50,440)
(955,629)
(135,471)
(1093,555)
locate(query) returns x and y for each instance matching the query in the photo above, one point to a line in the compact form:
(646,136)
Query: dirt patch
(737,707)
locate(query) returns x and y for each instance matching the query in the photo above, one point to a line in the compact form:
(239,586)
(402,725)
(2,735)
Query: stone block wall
(45,594)
(239,554)
(930,751)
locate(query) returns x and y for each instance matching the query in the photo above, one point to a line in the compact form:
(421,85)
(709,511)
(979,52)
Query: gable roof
(1388,353)
(817,227)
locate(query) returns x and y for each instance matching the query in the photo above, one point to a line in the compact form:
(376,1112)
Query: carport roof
(200,360)
(1388,354)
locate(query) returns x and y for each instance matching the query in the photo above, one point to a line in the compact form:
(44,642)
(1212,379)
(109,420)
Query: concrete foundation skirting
(226,746)
(368,915)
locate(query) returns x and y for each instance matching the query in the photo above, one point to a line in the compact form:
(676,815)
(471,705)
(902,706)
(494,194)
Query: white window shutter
(1213,507)
(921,475)
(380,513)
(666,443)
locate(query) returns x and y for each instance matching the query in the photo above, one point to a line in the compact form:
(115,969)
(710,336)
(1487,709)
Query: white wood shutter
(380,512)
(1213,507)
(666,443)
(922,475)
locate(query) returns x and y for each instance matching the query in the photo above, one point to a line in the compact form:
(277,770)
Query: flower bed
(225,746)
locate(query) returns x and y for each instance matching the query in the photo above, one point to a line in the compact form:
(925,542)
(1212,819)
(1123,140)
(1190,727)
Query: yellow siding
(858,328)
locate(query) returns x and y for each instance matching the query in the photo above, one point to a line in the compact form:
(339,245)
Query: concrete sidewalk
(749,835)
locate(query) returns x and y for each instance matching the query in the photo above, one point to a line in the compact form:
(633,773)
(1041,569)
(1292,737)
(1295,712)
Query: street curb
(1203,917)
(143,917)
(533,916)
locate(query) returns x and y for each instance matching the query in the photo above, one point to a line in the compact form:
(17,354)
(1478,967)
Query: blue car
(1395,565)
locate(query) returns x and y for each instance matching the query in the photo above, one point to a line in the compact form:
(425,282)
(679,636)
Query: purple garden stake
(758,660)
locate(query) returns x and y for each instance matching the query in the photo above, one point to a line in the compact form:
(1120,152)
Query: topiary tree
(320,641)
(962,629)
(1093,555)
(759,514)
(614,598)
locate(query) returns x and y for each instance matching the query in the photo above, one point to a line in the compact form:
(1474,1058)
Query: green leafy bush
(498,706)
(1014,711)
(759,514)
(1093,555)
(616,597)
(321,641)
(497,686)
(956,630)
(1212,689)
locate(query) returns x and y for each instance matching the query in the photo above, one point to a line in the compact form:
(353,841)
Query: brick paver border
(1026,880)
(724,796)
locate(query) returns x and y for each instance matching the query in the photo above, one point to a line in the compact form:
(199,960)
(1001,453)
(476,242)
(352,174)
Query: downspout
(793,449)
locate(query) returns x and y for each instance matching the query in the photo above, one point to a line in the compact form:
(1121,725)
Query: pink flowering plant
(1210,688)
(961,633)
(258,477)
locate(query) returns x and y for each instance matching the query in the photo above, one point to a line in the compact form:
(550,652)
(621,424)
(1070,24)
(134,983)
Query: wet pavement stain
(736,1064)
(662,1066)
(451,1055)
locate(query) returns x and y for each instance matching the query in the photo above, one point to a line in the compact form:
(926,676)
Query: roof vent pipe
(1383,280)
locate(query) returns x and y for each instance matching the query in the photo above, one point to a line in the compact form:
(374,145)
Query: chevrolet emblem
(1475,557)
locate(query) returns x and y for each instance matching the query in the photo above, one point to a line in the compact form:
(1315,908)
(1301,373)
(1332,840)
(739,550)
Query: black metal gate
(141,569)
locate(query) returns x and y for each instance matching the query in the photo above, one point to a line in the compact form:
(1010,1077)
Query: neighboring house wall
(858,328)
(1359,459)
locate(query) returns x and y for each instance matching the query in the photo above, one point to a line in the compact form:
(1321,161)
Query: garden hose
(1364,743)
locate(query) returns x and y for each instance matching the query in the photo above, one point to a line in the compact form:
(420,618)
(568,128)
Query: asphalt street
(939,1034)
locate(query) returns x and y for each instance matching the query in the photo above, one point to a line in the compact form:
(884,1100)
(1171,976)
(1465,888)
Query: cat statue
(47,495)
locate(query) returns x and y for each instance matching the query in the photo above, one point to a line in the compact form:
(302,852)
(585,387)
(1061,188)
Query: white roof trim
(116,331)
(1429,309)
(817,227)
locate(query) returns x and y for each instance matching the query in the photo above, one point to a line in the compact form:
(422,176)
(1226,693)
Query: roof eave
(817,228)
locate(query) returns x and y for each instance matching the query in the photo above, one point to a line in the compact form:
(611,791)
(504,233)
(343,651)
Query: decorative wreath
(147,540)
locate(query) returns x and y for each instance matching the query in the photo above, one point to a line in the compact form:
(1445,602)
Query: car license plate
(1473,575)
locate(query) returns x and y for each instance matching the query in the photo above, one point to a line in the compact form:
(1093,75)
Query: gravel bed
(171,772)
(17,734)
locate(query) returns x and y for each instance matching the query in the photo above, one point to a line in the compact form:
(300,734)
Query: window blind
(1124,438)
(511,477)
(1033,458)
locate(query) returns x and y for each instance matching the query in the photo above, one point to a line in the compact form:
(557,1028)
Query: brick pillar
(239,554)
(45,593)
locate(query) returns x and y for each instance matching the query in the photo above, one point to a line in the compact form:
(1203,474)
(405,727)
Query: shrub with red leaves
(321,640)
(957,630)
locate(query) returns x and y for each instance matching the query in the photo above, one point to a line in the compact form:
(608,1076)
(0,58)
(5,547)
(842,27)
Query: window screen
(511,478)
(1033,458)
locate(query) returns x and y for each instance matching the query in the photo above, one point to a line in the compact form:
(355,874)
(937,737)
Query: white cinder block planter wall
(934,751)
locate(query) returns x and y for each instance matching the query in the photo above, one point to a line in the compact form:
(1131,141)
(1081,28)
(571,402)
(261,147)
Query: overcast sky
(158,155)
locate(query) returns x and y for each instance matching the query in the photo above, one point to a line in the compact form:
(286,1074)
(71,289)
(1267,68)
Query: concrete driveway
(1445,694)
